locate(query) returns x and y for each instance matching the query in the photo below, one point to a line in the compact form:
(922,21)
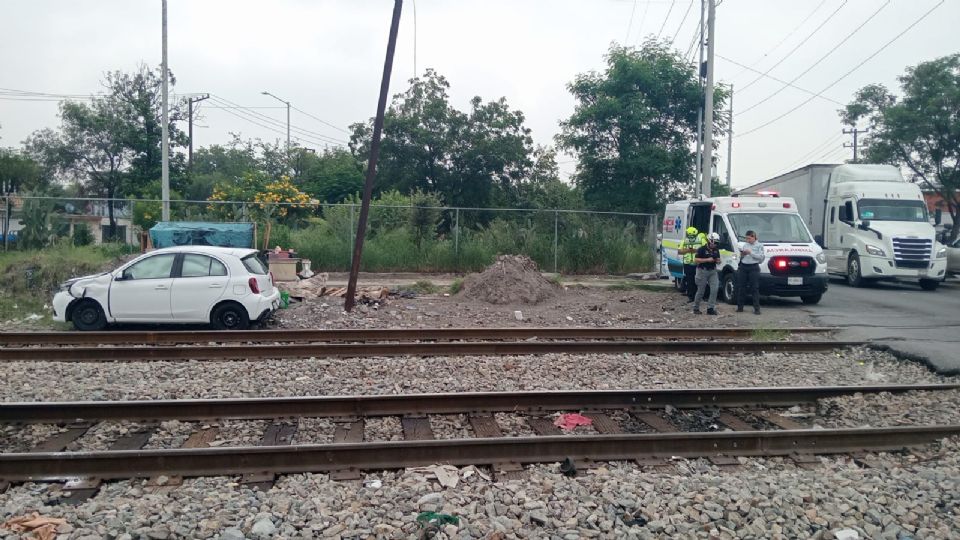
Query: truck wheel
(230,316)
(854,275)
(929,284)
(728,288)
(812,299)
(88,316)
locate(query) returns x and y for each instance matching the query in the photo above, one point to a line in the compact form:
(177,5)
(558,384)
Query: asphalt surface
(917,324)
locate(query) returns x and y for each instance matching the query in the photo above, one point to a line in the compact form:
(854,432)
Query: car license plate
(794,281)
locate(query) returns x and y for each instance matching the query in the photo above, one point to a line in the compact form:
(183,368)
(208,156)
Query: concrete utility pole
(349,301)
(287,103)
(700,108)
(164,129)
(730,138)
(854,132)
(190,103)
(707,172)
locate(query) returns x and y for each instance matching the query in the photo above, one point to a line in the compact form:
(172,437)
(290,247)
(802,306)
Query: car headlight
(874,250)
(941,253)
(821,258)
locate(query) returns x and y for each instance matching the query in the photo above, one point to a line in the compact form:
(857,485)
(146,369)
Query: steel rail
(18,467)
(386,334)
(421,404)
(347,350)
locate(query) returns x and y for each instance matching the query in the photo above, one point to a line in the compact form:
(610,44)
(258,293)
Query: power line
(785,37)
(818,148)
(265,118)
(821,59)
(626,39)
(683,20)
(643,19)
(804,40)
(322,121)
(772,78)
(276,130)
(847,74)
(667,18)
(280,126)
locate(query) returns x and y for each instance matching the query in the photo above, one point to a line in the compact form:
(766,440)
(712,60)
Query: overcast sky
(326,57)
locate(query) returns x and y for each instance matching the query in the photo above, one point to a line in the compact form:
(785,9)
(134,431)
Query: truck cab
(876,227)
(795,265)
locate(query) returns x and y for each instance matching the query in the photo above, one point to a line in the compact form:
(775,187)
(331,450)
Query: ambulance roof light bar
(768,193)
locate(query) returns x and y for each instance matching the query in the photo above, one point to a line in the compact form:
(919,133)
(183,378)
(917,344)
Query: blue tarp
(198,233)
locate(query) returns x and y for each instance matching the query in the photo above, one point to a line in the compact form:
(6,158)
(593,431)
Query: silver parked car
(953,257)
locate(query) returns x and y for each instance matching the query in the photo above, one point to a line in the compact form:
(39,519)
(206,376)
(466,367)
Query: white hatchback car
(224,287)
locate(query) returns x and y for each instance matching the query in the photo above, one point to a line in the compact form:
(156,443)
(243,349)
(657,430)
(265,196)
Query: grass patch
(769,334)
(30,277)
(556,279)
(456,286)
(638,286)
(422,287)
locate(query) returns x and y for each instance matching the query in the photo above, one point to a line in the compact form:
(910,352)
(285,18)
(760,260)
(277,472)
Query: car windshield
(254,265)
(892,210)
(770,227)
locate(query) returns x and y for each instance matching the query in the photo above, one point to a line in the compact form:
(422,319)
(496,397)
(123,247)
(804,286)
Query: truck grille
(912,252)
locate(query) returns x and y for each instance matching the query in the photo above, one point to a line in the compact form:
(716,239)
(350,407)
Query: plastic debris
(569,421)
(41,527)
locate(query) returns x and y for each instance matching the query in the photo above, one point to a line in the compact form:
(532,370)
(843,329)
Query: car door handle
(161,287)
(216,286)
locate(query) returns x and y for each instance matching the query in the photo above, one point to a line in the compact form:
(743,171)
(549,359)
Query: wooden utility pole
(854,132)
(190,103)
(349,301)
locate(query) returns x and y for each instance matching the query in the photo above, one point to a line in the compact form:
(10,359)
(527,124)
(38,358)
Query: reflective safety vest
(697,243)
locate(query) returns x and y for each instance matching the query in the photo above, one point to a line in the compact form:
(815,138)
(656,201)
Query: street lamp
(288,116)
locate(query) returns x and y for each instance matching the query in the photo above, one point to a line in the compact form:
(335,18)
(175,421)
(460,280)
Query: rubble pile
(510,279)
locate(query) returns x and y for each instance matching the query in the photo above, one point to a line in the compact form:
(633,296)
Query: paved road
(919,324)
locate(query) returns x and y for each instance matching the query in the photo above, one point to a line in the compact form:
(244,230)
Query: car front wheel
(88,316)
(230,317)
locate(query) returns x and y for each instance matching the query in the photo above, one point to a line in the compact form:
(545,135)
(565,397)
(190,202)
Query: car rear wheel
(230,317)
(88,316)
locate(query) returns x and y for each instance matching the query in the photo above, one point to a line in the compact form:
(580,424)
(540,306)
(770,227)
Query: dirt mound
(510,279)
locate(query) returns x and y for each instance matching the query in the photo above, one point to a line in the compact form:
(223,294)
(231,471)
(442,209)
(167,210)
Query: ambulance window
(720,228)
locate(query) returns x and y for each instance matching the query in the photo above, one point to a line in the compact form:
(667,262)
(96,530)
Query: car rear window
(254,265)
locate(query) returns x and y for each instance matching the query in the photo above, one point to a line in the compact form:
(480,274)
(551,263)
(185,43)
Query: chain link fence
(398,238)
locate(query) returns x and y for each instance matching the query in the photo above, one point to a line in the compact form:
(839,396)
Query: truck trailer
(871,223)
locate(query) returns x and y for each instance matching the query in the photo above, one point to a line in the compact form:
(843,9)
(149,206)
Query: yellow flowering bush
(268,198)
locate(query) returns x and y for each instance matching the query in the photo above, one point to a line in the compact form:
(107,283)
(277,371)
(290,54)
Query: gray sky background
(326,57)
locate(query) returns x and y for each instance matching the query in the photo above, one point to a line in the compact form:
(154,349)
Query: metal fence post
(556,243)
(456,235)
(6,221)
(353,234)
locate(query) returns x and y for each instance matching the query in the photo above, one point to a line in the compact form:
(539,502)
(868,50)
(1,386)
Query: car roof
(211,250)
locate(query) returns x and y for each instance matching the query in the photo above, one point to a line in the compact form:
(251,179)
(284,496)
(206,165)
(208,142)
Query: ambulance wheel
(728,288)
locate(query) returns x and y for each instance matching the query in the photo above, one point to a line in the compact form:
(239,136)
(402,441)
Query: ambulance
(795,264)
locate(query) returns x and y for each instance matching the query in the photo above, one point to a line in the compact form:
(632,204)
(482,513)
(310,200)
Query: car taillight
(254,286)
(780,263)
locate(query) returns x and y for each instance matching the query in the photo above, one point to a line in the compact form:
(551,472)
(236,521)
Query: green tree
(430,145)
(425,215)
(35,217)
(19,172)
(919,130)
(331,176)
(634,128)
(111,145)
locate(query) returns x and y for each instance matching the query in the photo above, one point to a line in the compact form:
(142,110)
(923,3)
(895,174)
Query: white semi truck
(871,223)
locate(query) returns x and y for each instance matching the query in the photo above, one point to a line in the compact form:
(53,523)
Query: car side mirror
(124,276)
(864,225)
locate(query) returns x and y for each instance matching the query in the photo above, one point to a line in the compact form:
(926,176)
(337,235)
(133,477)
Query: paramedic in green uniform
(688,248)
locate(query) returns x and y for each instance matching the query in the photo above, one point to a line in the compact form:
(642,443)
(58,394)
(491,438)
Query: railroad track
(176,337)
(291,344)
(648,426)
